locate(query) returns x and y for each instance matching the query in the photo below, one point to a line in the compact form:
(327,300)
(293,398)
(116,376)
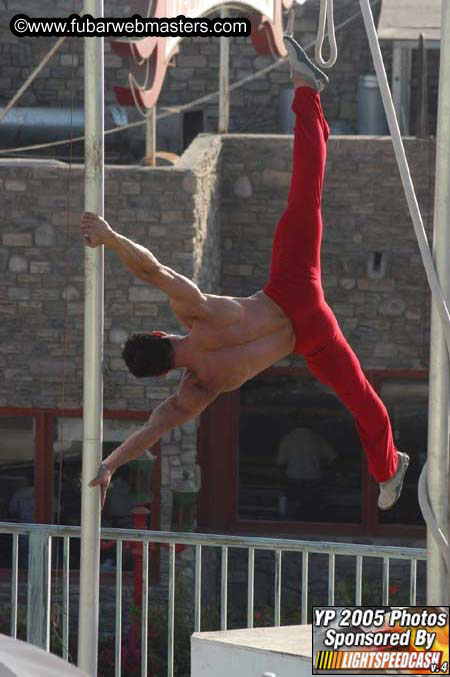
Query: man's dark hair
(148,355)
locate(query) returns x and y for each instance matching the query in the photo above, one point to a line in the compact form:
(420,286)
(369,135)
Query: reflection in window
(407,403)
(299,454)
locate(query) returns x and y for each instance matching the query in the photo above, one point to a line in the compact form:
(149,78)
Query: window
(17,467)
(407,403)
(17,492)
(68,445)
(299,454)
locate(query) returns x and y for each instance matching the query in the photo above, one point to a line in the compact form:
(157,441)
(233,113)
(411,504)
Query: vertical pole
(39,588)
(438,403)
(150,137)
(396,83)
(93,353)
(401,85)
(224,80)
(422,115)
(439,378)
(406,89)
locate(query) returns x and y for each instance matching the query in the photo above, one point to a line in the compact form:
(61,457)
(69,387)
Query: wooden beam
(422,130)
(401,85)
(407,19)
(397,78)
(406,90)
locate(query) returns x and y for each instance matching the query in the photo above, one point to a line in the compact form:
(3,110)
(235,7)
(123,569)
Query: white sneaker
(391,489)
(302,66)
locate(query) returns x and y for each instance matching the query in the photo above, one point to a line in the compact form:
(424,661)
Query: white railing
(39,577)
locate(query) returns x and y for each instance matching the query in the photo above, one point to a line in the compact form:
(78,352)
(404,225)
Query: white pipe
(430,271)
(425,506)
(224,79)
(438,400)
(93,352)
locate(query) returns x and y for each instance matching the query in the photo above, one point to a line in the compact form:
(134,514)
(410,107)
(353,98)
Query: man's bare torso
(235,339)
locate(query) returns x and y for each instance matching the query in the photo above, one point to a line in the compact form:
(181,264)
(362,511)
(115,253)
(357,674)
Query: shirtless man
(231,339)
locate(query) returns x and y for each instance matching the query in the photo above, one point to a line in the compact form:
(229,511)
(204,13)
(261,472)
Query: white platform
(284,652)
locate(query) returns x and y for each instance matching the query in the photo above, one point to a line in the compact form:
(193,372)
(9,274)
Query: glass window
(299,454)
(68,439)
(407,403)
(17,495)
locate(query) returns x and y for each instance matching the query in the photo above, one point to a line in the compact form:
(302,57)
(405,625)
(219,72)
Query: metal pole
(93,353)
(224,80)
(438,403)
(150,137)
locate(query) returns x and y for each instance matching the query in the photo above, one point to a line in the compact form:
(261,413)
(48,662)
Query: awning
(407,19)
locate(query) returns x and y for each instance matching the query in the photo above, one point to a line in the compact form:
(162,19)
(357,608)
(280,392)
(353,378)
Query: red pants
(295,285)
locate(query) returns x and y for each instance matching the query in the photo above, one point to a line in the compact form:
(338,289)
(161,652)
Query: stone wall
(372,271)
(211,217)
(172,210)
(53,87)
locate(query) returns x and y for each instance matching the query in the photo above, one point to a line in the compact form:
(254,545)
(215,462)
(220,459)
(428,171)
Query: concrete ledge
(284,652)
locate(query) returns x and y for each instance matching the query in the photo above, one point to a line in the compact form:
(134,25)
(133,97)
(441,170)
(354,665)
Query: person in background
(21,509)
(303,454)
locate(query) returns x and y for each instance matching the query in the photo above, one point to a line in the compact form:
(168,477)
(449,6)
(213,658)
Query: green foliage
(371,595)
(157,634)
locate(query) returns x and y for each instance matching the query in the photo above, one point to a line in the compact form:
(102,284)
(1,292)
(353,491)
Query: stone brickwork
(372,271)
(211,217)
(171,210)
(53,87)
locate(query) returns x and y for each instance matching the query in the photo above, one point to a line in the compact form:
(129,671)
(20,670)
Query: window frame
(223,487)
(44,462)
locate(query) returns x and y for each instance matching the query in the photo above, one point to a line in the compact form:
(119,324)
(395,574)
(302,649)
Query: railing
(39,573)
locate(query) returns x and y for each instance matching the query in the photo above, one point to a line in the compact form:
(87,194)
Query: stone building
(212,217)
(254,108)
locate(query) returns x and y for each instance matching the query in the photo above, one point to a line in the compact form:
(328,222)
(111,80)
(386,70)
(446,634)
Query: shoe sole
(302,62)
(399,488)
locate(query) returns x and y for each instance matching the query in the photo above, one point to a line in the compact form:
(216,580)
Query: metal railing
(39,574)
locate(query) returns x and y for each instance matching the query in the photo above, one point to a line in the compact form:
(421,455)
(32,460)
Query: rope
(326,17)
(428,515)
(187,106)
(430,270)
(290,23)
(31,77)
(408,186)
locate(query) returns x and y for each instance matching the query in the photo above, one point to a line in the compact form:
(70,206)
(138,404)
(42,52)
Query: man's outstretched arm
(180,408)
(142,263)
